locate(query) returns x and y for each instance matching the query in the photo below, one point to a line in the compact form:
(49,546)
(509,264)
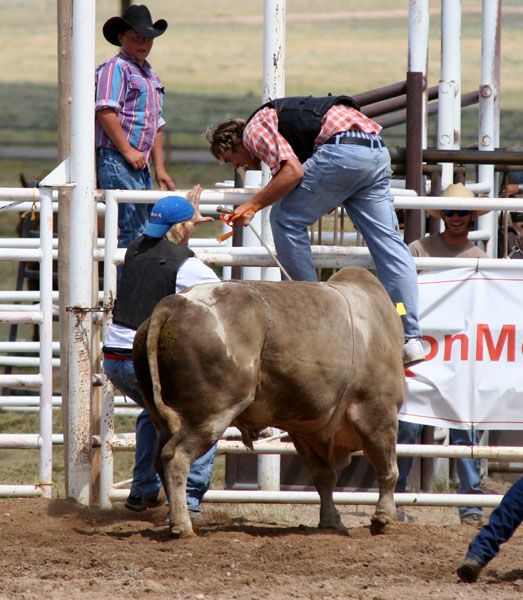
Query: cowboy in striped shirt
(323,153)
(129,98)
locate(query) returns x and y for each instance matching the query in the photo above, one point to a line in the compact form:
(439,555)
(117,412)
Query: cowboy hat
(136,17)
(456,190)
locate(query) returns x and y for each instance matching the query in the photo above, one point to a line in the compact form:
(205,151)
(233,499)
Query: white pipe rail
(25,346)
(21,317)
(449,96)
(341,498)
(237,196)
(488,100)
(20,491)
(24,296)
(26,361)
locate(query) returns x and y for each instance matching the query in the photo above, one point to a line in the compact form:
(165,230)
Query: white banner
(472,322)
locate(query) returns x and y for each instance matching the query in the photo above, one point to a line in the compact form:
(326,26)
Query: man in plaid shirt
(323,153)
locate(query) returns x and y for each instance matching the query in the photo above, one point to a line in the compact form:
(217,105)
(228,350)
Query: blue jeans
(115,173)
(146,481)
(503,521)
(468,468)
(358,178)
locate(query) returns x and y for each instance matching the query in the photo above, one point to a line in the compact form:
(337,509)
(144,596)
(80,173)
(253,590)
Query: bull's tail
(158,319)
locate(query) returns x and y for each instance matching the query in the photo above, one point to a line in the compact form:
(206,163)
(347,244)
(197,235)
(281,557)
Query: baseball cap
(167,212)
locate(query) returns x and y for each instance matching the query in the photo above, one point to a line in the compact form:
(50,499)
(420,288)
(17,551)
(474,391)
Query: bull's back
(287,352)
(328,341)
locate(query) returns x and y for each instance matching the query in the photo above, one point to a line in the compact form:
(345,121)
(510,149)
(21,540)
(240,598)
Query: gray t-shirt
(434,245)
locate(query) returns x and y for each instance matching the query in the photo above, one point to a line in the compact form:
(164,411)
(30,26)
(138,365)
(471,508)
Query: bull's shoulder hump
(210,294)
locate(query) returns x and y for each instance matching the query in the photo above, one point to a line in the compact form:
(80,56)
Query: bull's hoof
(180,533)
(334,528)
(380,525)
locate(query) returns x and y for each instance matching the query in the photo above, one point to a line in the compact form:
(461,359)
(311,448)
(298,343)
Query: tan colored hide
(319,360)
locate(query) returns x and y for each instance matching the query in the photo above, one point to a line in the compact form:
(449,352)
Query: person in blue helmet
(158,263)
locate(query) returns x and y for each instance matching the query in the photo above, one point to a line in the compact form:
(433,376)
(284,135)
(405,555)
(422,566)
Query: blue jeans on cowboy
(468,468)
(146,481)
(115,173)
(503,521)
(358,178)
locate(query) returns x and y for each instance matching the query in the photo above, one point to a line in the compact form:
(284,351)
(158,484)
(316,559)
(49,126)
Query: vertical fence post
(416,108)
(488,100)
(46,342)
(107,420)
(81,251)
(273,87)
(449,95)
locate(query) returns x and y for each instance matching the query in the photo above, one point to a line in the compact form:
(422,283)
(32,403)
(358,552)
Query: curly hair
(226,136)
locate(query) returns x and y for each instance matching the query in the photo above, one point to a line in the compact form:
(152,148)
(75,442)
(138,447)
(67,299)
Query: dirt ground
(56,549)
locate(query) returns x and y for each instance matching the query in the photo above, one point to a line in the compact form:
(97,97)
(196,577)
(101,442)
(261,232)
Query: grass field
(210,60)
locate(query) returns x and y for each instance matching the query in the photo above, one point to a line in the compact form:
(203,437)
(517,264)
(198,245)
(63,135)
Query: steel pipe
(362,498)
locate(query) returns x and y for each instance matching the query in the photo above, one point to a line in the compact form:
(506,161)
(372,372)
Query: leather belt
(347,139)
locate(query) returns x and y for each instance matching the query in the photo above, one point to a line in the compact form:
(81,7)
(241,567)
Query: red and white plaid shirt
(262,138)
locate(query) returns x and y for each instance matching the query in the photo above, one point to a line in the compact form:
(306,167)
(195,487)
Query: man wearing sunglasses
(451,242)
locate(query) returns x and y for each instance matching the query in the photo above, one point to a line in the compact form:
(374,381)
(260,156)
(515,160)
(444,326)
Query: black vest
(149,274)
(299,119)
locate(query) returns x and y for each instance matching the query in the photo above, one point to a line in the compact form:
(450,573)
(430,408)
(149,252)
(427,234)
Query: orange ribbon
(228,219)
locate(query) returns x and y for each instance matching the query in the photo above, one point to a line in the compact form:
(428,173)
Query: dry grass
(216,46)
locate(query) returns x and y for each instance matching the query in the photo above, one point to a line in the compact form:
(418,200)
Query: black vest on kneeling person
(149,274)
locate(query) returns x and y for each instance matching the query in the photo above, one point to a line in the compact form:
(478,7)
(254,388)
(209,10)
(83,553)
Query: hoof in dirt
(178,533)
(381,525)
(339,528)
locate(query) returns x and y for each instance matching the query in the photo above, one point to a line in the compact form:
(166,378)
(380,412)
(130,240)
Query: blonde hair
(177,232)
(226,136)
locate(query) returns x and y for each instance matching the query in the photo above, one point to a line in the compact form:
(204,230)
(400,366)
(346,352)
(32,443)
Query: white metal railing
(324,256)
(41,315)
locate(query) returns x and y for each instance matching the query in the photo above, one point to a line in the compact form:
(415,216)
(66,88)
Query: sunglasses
(450,213)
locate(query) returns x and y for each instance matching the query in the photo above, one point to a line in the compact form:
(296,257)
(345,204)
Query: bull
(322,361)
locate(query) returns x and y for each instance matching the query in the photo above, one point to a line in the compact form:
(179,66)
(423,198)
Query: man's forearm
(287,178)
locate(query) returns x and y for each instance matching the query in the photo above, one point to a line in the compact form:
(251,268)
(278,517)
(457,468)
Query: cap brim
(156,230)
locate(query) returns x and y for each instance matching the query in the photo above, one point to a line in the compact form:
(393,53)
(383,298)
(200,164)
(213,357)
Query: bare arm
(163,179)
(109,121)
(285,180)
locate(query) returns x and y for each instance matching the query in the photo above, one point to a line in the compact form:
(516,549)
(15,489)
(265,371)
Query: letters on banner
(472,324)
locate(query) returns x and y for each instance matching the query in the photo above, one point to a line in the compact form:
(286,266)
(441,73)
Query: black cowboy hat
(136,17)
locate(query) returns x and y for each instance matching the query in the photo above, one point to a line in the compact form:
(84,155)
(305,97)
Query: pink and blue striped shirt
(135,93)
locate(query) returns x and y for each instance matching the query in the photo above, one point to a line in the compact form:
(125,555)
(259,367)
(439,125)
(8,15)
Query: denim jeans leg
(326,183)
(358,178)
(469,469)
(199,479)
(146,481)
(115,173)
(371,209)
(408,433)
(503,521)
